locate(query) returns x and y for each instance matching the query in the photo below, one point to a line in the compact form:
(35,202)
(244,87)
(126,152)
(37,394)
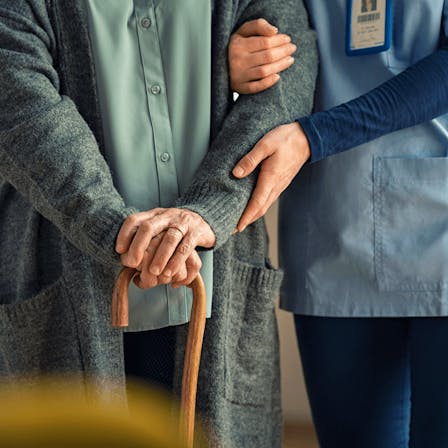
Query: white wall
(295,402)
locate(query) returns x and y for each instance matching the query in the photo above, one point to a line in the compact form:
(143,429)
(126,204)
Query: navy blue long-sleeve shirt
(417,95)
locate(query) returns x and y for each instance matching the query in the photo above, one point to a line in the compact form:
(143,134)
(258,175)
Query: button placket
(154,77)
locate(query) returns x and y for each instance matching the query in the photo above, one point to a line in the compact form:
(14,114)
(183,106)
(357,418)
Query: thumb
(251,160)
(258,27)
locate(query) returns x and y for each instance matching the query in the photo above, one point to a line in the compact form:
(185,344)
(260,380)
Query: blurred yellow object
(59,414)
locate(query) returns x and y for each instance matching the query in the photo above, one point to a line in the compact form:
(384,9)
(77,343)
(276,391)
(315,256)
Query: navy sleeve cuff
(314,138)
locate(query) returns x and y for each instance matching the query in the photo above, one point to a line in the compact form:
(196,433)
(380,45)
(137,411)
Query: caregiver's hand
(257,53)
(161,241)
(282,153)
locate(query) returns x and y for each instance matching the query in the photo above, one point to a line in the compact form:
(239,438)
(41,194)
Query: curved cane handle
(192,359)
(120,298)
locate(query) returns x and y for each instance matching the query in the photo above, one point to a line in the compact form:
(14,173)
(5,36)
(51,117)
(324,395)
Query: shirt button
(165,157)
(156,89)
(146,22)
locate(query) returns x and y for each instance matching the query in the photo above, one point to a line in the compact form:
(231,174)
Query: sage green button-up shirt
(153,67)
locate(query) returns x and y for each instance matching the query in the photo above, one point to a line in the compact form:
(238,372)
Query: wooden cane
(192,359)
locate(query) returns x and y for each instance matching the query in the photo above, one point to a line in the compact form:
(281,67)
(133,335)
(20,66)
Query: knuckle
(264,148)
(171,237)
(265,42)
(130,261)
(197,264)
(180,277)
(185,216)
(132,219)
(263,71)
(173,233)
(258,201)
(163,280)
(145,226)
(249,161)
(268,57)
(185,248)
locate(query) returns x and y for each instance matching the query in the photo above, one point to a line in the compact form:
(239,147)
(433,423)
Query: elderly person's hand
(282,153)
(161,243)
(257,53)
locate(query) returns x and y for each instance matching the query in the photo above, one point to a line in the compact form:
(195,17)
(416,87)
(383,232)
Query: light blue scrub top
(365,233)
(153,67)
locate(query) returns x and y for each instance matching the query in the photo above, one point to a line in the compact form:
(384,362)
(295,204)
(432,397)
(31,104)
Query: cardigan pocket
(411,223)
(38,335)
(252,339)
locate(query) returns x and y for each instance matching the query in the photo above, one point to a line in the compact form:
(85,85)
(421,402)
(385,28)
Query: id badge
(369,26)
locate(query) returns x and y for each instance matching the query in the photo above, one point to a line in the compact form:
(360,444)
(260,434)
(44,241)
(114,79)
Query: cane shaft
(192,359)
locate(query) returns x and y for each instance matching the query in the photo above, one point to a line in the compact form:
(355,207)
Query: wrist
(300,141)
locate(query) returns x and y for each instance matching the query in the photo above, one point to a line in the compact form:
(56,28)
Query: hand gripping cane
(192,358)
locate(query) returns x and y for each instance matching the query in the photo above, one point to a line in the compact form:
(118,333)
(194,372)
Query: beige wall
(295,402)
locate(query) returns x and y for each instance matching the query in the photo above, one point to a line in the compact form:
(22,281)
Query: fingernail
(238,171)
(294,47)
(287,39)
(154,270)
(167,273)
(235,231)
(291,60)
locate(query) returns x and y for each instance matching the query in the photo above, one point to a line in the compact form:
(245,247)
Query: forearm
(47,151)
(215,194)
(415,96)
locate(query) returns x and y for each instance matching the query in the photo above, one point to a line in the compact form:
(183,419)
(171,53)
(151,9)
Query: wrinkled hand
(161,243)
(186,273)
(282,153)
(257,53)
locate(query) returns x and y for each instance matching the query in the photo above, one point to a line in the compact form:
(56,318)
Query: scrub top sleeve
(415,96)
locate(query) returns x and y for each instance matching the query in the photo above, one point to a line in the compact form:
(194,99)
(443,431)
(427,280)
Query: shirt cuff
(314,139)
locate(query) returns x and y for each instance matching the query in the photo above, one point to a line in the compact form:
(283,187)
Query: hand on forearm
(162,242)
(257,54)
(281,153)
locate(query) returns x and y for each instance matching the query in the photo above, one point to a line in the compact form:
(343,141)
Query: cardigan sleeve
(415,96)
(215,193)
(47,151)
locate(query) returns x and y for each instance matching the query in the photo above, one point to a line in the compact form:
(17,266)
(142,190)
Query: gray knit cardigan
(60,215)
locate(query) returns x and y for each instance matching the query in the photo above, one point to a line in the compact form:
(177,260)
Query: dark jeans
(149,356)
(376,382)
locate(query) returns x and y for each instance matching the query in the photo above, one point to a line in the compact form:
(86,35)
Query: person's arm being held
(47,151)
(215,196)
(416,95)
(49,154)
